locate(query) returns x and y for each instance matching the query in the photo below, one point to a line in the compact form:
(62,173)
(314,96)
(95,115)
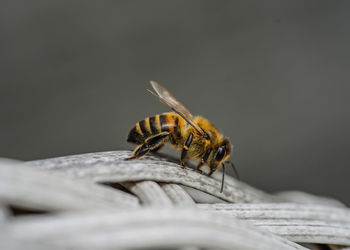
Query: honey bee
(194,136)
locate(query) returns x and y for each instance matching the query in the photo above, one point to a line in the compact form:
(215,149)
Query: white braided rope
(160,210)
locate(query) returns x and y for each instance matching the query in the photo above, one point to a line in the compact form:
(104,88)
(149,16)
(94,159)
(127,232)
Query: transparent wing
(169,100)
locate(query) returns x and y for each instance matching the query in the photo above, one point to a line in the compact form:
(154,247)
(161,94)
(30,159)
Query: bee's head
(220,155)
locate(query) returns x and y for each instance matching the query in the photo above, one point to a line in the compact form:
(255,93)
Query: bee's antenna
(234,169)
(223,178)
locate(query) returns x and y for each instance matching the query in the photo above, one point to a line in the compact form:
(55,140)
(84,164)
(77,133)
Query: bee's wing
(169,100)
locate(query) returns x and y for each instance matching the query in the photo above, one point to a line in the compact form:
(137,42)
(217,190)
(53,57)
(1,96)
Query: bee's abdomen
(144,129)
(153,126)
(135,136)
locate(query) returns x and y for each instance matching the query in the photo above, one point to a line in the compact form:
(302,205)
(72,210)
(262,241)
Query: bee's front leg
(185,149)
(200,164)
(203,160)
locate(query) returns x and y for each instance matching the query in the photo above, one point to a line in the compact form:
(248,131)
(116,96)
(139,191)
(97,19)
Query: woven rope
(153,203)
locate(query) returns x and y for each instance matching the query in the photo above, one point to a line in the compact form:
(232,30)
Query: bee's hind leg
(138,152)
(151,143)
(157,148)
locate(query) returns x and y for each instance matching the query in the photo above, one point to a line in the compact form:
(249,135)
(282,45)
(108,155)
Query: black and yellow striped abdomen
(150,126)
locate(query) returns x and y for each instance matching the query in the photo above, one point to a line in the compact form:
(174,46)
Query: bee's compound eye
(220,153)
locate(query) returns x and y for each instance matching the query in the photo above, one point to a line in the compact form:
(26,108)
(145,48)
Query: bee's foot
(130,158)
(200,171)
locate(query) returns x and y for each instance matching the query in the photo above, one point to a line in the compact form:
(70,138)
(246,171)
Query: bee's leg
(150,143)
(200,164)
(138,152)
(203,160)
(157,141)
(185,149)
(157,148)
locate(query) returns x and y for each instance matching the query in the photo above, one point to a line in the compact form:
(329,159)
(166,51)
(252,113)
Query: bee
(194,136)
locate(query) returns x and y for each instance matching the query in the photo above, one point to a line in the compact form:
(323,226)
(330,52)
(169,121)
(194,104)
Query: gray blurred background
(273,75)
